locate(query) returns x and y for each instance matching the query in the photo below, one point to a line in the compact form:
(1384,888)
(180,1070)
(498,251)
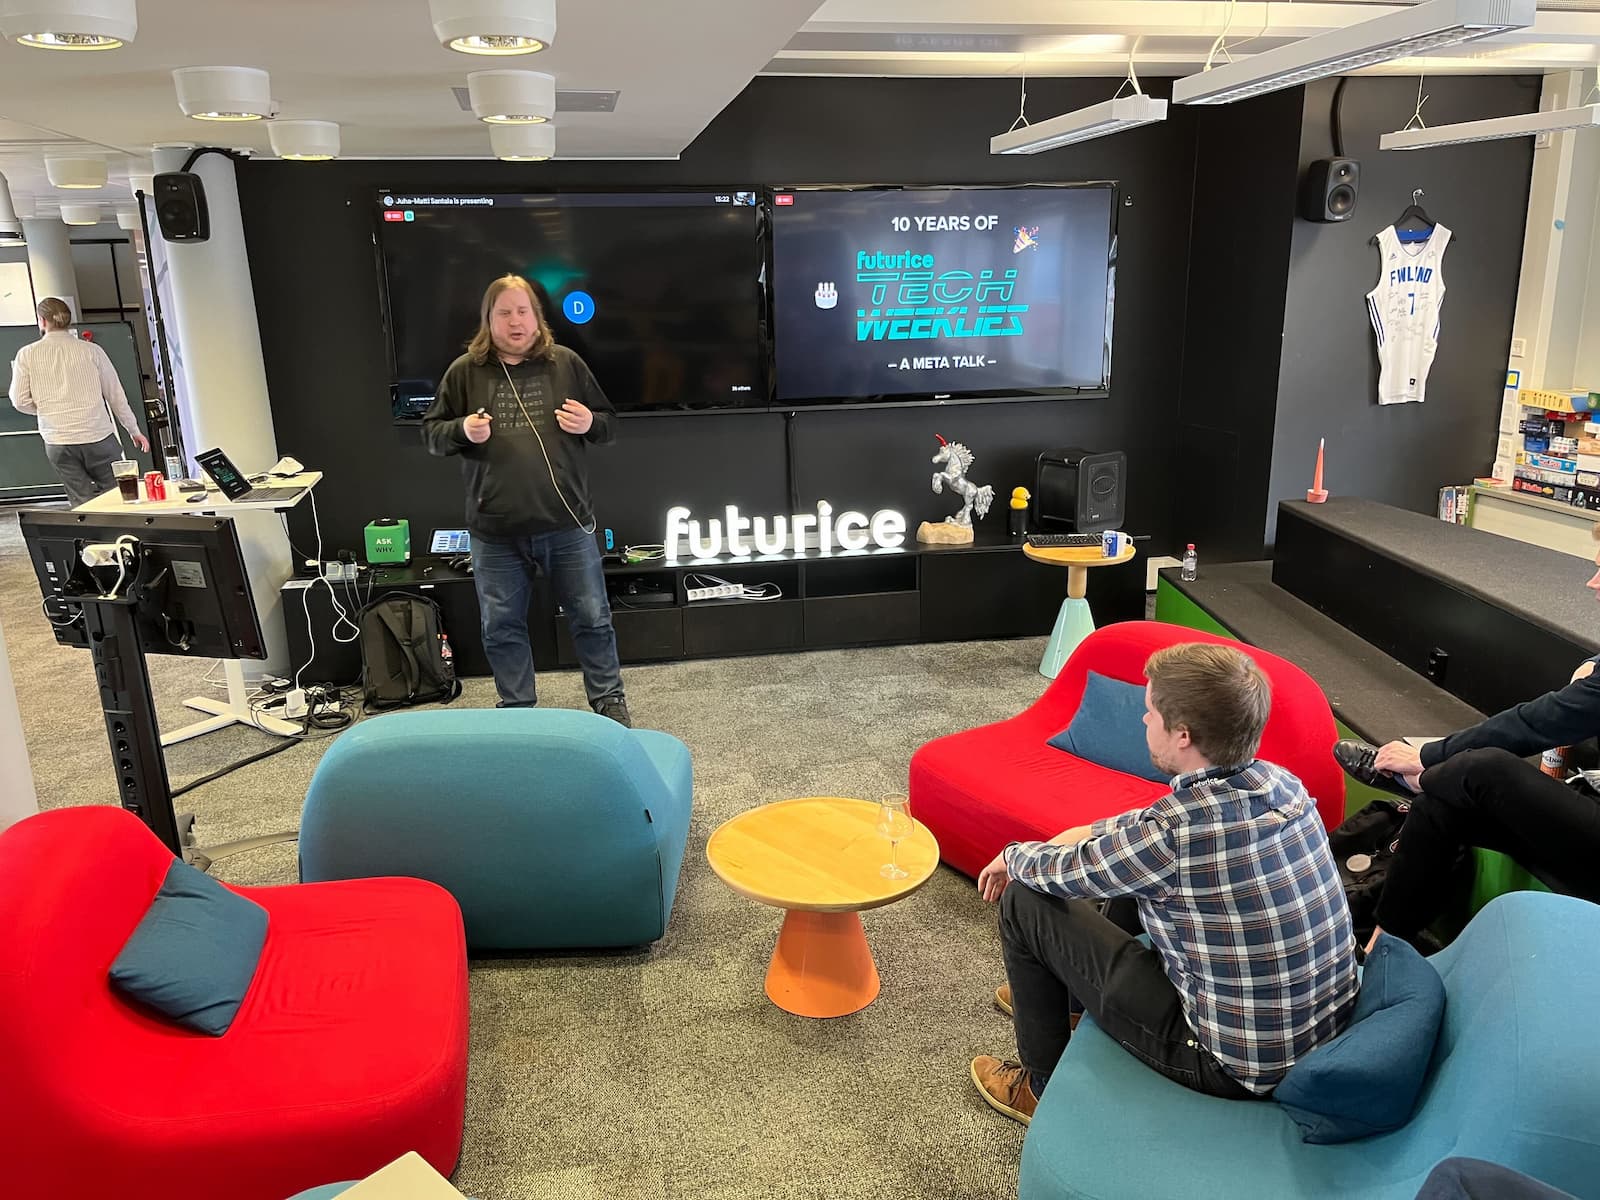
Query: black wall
(1400,454)
(1241,333)
(1244,188)
(311,258)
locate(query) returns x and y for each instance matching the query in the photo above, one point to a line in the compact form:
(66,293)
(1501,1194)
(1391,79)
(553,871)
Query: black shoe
(1357,758)
(616,708)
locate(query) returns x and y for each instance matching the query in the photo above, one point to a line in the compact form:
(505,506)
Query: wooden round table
(819,858)
(1074,622)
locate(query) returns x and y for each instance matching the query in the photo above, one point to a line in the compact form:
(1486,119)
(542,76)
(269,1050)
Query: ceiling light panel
(494,27)
(511,97)
(69,24)
(1098,120)
(224,93)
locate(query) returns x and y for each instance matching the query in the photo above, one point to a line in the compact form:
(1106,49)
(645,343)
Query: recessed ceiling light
(70,24)
(494,27)
(509,97)
(305,141)
(224,93)
(76,172)
(523,143)
(80,214)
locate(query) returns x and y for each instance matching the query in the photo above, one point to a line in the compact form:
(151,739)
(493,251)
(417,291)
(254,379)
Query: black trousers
(1474,1179)
(1065,955)
(1494,799)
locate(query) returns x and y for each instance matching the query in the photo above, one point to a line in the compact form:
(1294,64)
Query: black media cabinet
(915,594)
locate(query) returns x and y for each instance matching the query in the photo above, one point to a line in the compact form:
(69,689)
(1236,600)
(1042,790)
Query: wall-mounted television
(660,292)
(904,294)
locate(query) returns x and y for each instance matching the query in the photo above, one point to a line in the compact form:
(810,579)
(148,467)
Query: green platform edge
(1496,874)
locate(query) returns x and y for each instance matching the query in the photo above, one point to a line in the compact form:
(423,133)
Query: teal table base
(1073,623)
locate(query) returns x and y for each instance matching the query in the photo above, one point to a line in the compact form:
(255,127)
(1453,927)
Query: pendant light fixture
(510,97)
(523,143)
(76,173)
(10,224)
(224,93)
(80,214)
(494,27)
(69,24)
(305,141)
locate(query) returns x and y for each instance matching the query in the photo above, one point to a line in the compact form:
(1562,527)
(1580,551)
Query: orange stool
(819,858)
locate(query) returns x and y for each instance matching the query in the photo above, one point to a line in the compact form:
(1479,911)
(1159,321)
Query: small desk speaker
(1080,491)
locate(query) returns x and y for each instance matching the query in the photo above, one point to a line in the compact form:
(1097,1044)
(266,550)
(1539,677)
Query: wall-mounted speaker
(1329,190)
(1080,491)
(181,211)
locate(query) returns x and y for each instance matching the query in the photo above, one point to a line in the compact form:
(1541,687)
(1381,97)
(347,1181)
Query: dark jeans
(1494,799)
(1065,954)
(85,470)
(503,572)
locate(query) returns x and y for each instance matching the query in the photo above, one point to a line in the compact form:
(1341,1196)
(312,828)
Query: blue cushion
(1366,1080)
(1108,728)
(194,953)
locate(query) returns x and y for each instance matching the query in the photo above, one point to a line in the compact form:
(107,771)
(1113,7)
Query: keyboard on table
(1057,541)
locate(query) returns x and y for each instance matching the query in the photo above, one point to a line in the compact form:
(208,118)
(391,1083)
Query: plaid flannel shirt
(1241,898)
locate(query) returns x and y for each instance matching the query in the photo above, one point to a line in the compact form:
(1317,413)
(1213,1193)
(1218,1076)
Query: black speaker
(1080,491)
(181,207)
(1330,189)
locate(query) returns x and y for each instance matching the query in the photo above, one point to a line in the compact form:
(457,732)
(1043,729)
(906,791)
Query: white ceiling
(375,67)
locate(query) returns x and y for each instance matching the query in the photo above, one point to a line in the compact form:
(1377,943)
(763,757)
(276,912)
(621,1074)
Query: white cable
(44,607)
(515,391)
(1222,38)
(1417,115)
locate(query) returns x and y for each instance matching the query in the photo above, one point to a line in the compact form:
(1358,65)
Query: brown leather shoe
(1005,1087)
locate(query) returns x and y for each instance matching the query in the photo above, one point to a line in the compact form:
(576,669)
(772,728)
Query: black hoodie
(509,488)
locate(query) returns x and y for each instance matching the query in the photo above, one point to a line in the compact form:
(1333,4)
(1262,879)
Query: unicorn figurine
(956,459)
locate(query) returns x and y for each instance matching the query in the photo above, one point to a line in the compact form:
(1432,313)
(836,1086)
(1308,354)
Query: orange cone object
(822,966)
(1318,494)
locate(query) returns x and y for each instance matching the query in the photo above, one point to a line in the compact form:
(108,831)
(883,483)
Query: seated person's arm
(1558,718)
(1135,859)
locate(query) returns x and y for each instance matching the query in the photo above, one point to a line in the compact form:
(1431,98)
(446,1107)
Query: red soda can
(155,486)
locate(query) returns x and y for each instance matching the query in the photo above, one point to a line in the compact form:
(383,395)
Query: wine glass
(895,823)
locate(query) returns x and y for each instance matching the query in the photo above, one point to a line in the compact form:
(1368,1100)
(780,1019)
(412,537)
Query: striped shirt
(67,383)
(1241,898)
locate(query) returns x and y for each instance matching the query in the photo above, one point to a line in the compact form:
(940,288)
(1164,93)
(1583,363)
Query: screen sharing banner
(972,290)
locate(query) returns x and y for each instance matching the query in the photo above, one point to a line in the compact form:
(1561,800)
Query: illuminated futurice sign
(742,536)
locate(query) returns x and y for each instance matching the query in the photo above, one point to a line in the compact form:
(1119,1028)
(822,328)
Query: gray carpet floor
(666,1072)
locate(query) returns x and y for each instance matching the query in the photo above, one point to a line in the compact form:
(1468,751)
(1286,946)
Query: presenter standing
(521,412)
(71,386)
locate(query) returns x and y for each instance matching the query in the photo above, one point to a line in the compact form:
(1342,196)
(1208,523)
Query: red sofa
(349,1050)
(986,787)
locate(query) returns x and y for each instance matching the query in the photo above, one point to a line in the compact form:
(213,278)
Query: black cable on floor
(243,762)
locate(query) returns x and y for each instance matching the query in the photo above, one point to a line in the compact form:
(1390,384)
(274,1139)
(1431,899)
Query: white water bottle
(1188,571)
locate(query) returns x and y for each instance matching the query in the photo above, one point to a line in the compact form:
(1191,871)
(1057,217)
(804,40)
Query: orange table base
(822,966)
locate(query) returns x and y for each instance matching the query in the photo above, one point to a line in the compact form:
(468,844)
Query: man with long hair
(71,386)
(521,412)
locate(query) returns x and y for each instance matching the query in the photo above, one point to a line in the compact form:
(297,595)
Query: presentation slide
(936,292)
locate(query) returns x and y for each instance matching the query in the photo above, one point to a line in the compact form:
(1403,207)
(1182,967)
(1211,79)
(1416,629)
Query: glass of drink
(895,823)
(127,479)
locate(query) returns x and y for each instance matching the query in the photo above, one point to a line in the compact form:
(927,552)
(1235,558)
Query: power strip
(714,593)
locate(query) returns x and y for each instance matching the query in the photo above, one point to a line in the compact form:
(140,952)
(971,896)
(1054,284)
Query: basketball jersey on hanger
(1404,307)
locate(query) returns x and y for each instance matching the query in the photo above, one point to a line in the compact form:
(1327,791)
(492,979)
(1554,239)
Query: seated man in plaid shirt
(1252,958)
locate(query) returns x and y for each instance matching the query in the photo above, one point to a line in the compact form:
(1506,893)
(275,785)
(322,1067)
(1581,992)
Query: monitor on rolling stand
(124,586)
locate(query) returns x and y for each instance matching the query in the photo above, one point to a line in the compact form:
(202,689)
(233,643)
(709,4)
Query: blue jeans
(503,572)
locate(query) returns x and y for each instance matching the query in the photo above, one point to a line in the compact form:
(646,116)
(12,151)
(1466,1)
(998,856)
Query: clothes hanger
(1413,224)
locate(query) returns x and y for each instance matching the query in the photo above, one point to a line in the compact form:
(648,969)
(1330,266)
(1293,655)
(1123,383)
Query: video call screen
(659,292)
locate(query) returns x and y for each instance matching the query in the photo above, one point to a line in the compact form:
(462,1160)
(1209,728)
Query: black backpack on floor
(405,655)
